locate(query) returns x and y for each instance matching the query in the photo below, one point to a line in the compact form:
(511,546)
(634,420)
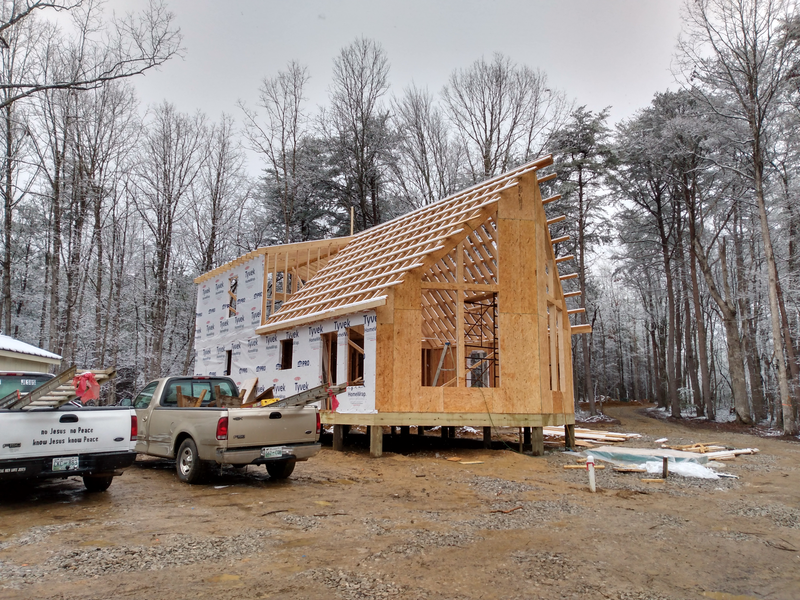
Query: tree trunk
(789,425)
(702,344)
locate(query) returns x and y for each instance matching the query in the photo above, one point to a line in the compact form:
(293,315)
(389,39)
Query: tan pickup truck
(197,437)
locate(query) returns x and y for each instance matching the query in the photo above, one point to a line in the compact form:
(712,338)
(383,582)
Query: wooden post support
(375,441)
(526,439)
(537,441)
(487,437)
(664,467)
(569,437)
(338,438)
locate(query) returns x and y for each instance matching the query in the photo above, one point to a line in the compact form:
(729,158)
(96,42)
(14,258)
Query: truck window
(24,382)
(194,388)
(145,396)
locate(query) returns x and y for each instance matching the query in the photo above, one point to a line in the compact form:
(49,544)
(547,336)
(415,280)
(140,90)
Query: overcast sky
(600,52)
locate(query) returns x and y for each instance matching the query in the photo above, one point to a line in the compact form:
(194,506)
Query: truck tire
(97,484)
(280,469)
(188,466)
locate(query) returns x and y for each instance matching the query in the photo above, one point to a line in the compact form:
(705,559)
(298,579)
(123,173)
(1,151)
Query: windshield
(24,382)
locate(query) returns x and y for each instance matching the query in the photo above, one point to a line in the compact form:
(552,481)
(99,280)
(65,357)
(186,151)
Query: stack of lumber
(713,450)
(585,438)
(700,448)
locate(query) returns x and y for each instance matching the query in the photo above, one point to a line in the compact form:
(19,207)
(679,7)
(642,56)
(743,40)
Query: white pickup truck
(181,418)
(43,443)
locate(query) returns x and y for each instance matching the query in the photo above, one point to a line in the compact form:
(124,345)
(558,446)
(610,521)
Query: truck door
(142,404)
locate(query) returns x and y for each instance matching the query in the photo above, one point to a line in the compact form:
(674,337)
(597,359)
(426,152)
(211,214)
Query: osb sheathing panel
(523,246)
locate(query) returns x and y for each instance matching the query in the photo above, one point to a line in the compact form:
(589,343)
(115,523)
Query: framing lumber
(548,177)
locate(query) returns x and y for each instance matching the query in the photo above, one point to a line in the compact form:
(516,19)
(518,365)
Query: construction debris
(585,438)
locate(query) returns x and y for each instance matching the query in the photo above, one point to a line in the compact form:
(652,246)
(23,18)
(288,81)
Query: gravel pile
(532,514)
(34,535)
(173,550)
(357,586)
(378,526)
(421,539)
(303,522)
(779,514)
(544,565)
(492,486)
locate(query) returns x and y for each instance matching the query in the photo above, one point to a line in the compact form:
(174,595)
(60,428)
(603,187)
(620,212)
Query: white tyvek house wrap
(216,332)
(259,355)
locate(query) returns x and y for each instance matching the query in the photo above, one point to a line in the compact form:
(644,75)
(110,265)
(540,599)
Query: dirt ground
(415,525)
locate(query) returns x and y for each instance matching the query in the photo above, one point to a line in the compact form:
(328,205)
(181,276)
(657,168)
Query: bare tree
(504,113)
(170,160)
(279,139)
(122,47)
(738,56)
(356,128)
(219,195)
(428,165)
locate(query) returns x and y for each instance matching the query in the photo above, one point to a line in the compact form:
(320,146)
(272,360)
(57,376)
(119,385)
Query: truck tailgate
(267,426)
(34,433)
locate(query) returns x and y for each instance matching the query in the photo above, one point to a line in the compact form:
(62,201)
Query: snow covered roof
(9,344)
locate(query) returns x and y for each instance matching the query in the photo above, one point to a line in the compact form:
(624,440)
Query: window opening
(233,284)
(355,355)
(438,337)
(287,346)
(228,361)
(481,349)
(330,345)
(554,343)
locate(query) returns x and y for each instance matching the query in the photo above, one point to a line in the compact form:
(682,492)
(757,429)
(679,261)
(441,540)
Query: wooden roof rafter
(384,255)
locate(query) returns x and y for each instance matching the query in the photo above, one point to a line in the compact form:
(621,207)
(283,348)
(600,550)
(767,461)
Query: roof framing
(372,261)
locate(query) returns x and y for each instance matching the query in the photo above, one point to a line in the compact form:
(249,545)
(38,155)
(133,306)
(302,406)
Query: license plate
(272,452)
(65,463)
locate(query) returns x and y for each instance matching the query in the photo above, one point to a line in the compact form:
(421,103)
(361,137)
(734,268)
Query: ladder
(55,392)
(315,394)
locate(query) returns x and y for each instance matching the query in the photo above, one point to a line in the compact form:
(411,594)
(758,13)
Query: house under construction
(450,315)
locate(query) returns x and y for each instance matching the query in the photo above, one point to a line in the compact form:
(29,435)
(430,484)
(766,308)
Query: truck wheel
(188,465)
(280,469)
(97,484)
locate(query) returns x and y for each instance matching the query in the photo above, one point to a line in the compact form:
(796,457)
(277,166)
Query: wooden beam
(565,258)
(548,177)
(570,276)
(376,441)
(555,220)
(551,199)
(460,357)
(432,419)
(558,240)
(578,329)
(575,311)
(472,287)
(572,294)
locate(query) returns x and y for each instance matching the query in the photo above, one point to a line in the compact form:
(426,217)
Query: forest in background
(683,219)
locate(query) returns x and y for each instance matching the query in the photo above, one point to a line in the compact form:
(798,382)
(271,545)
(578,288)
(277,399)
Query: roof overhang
(331,313)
